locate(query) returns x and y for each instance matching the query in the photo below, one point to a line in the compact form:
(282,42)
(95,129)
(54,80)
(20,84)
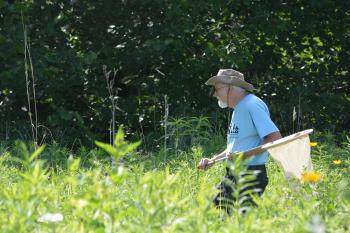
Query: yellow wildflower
(312,144)
(337,161)
(311,177)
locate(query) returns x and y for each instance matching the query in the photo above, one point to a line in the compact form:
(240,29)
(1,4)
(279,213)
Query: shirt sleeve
(261,118)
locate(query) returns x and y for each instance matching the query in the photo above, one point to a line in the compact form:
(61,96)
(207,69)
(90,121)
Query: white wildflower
(48,217)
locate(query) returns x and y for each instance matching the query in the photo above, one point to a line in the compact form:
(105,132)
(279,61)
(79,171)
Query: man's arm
(268,138)
(219,156)
(206,163)
(271,137)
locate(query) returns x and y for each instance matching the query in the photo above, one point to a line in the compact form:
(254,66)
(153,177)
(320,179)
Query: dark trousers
(227,187)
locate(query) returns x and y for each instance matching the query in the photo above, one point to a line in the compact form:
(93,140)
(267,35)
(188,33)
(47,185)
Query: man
(250,126)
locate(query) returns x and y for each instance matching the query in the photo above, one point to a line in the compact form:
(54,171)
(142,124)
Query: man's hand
(204,164)
(229,155)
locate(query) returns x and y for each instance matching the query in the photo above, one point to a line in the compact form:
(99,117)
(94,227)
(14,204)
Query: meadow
(56,189)
(72,72)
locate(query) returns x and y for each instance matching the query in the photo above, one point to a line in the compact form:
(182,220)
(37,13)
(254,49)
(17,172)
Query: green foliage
(25,158)
(243,179)
(120,147)
(184,131)
(173,198)
(295,53)
(118,150)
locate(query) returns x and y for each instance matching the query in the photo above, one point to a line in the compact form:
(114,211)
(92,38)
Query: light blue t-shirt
(250,124)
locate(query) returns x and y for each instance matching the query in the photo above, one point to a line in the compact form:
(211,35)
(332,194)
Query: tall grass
(140,196)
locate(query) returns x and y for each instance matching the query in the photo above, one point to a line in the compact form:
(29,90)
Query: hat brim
(230,80)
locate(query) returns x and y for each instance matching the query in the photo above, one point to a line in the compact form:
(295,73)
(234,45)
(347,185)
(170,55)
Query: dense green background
(295,52)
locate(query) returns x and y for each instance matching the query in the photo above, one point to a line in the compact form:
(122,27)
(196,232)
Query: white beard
(222,104)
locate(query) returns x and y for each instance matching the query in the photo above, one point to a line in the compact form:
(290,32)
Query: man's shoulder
(253,103)
(253,100)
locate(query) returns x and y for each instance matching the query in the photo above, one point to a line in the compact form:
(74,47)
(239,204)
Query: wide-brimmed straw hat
(230,77)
